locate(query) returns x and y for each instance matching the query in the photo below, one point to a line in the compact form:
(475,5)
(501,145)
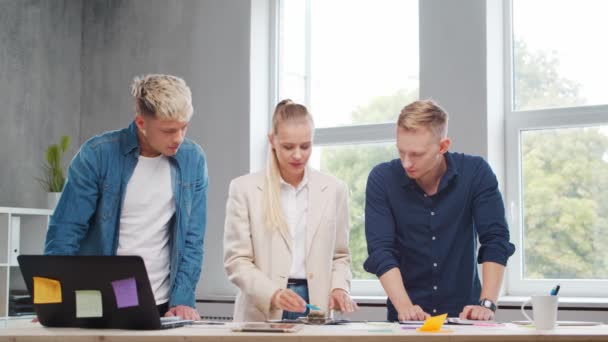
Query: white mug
(544,309)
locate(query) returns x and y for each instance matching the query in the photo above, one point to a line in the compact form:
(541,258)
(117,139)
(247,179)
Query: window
(354,64)
(557,147)
(559,61)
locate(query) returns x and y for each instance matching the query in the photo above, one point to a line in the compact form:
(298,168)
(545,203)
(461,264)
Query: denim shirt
(432,239)
(87,218)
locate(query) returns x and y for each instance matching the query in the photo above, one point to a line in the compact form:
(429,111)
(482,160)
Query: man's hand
(185,312)
(341,300)
(286,299)
(412,313)
(477,312)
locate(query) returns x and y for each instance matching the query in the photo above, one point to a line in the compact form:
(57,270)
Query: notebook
(102,292)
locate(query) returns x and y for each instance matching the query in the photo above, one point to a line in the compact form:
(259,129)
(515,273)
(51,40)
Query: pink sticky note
(125,291)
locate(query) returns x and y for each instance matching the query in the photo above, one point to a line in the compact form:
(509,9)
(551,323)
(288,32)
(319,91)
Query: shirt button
(425,195)
(434,264)
(433,238)
(434,310)
(435,287)
(432,213)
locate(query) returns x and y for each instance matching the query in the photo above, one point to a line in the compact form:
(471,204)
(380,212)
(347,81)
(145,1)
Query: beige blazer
(258,260)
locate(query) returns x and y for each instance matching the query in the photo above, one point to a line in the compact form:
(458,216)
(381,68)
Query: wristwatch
(486,303)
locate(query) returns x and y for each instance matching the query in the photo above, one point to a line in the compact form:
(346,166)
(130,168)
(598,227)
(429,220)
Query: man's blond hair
(424,113)
(164,97)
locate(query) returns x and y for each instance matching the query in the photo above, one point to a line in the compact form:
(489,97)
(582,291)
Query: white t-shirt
(295,208)
(144,221)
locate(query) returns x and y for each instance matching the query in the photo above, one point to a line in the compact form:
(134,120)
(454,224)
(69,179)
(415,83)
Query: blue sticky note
(88,304)
(125,291)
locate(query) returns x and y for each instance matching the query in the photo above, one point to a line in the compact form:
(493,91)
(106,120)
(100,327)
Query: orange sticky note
(433,324)
(46,291)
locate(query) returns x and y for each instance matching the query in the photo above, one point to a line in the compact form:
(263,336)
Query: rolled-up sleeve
(379,226)
(489,217)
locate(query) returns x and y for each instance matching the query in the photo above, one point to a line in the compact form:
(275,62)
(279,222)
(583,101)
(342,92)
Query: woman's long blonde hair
(285,111)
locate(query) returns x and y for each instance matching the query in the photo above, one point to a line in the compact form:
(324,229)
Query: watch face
(486,303)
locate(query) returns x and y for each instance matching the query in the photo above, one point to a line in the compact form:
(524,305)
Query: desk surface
(16,331)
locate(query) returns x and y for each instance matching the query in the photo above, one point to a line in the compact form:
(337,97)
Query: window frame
(518,121)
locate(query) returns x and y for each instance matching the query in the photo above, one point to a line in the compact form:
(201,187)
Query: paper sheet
(433,324)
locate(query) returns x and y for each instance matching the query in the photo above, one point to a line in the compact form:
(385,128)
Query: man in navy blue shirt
(424,215)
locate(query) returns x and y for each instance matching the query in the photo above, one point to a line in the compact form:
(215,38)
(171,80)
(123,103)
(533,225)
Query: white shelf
(21,229)
(25,211)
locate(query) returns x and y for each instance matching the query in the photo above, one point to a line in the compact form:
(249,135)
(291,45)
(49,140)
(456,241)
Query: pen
(312,307)
(555,290)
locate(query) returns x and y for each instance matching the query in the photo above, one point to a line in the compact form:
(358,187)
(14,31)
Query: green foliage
(54,175)
(564,179)
(565,207)
(538,83)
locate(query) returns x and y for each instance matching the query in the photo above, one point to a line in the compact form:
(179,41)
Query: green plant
(54,175)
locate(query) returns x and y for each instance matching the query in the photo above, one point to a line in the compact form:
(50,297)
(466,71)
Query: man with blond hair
(141,190)
(423,215)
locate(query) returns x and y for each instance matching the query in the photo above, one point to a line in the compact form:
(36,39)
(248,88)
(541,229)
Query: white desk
(19,330)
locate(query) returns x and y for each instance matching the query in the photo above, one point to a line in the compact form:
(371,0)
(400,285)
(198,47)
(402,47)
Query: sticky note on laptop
(433,324)
(46,291)
(88,304)
(125,291)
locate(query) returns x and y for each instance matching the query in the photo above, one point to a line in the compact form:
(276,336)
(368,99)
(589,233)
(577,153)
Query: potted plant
(54,174)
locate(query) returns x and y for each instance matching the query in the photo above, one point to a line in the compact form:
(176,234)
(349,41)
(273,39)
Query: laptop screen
(90,291)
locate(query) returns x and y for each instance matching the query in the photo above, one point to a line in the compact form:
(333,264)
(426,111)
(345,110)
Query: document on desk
(411,322)
(451,320)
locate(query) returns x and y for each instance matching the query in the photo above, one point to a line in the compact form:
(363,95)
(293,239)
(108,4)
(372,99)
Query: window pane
(339,54)
(565,182)
(559,53)
(352,164)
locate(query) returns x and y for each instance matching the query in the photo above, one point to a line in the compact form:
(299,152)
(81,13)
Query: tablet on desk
(460,321)
(267,327)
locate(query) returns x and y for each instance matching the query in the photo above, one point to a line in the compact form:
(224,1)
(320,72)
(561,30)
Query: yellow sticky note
(433,324)
(46,291)
(88,304)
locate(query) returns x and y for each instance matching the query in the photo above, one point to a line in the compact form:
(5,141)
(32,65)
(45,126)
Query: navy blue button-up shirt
(433,239)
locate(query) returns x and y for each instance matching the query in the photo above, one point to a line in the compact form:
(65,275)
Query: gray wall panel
(39,91)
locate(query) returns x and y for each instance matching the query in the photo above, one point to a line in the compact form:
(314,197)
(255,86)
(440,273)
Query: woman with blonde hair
(286,230)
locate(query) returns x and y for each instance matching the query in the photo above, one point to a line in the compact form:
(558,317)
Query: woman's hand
(341,300)
(286,299)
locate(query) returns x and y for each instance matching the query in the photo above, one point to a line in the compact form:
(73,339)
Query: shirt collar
(450,172)
(131,143)
(302,184)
